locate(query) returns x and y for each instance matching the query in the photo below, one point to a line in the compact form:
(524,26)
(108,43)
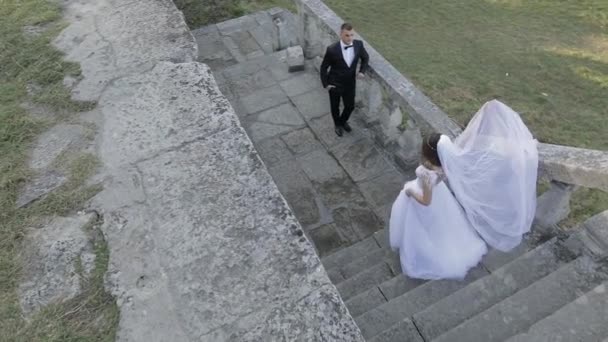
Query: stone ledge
(572,165)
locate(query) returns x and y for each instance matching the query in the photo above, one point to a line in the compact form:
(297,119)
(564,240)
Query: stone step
(379,295)
(400,332)
(584,320)
(351,253)
(365,280)
(381,237)
(482,294)
(365,301)
(363,263)
(401,284)
(495,259)
(518,312)
(383,317)
(335,275)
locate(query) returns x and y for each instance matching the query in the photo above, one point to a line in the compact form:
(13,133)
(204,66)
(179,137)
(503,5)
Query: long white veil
(492,169)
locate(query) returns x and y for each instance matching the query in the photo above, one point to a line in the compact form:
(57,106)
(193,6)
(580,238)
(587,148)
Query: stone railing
(398,114)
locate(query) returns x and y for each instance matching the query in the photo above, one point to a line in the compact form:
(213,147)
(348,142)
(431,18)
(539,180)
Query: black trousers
(347,94)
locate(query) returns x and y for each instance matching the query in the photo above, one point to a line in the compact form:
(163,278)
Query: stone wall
(385,95)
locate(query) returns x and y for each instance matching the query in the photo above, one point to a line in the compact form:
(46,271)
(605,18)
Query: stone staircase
(546,289)
(537,292)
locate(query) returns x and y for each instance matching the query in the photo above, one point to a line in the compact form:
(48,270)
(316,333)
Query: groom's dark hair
(429,149)
(346,26)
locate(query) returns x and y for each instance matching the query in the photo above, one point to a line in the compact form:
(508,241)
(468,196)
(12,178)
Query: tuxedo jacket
(339,73)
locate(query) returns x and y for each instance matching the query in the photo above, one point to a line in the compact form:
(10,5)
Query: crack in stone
(180,146)
(143,182)
(278,124)
(104,39)
(240,317)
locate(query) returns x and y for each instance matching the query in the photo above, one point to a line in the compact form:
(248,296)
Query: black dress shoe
(339,131)
(347,127)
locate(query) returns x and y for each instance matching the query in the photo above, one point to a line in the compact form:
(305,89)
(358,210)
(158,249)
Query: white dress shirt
(348,54)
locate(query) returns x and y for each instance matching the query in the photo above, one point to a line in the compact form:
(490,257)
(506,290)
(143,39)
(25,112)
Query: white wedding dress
(492,171)
(437,241)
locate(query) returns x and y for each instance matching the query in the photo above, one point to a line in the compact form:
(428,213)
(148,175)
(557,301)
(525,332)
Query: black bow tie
(348,46)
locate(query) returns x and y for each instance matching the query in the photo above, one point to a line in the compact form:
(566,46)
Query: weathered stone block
(364,281)
(50,255)
(237,24)
(233,49)
(345,255)
(554,205)
(273,151)
(53,142)
(273,121)
(365,301)
(301,141)
(246,42)
(361,160)
(320,166)
(263,99)
(573,165)
(264,38)
(381,191)
(39,187)
(295,58)
(298,191)
(356,221)
(313,104)
(404,330)
(300,84)
(327,240)
(363,262)
(248,84)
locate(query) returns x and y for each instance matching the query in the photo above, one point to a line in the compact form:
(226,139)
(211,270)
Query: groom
(341,59)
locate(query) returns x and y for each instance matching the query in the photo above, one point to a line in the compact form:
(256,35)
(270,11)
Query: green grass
(204,12)
(547,59)
(28,61)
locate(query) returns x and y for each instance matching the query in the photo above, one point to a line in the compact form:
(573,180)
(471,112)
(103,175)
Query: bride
(491,169)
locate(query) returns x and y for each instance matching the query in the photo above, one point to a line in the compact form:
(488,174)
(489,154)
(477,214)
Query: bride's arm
(427,192)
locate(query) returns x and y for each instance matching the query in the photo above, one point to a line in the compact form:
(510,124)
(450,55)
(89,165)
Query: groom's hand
(360,75)
(330,86)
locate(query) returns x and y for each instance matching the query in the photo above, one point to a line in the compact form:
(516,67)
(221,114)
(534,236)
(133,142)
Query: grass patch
(32,70)
(91,316)
(546,59)
(204,12)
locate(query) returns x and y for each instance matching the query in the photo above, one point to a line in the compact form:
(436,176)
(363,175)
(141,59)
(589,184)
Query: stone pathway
(340,189)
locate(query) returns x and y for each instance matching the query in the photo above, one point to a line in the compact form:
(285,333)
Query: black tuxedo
(343,78)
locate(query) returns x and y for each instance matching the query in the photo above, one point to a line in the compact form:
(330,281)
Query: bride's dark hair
(429,149)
